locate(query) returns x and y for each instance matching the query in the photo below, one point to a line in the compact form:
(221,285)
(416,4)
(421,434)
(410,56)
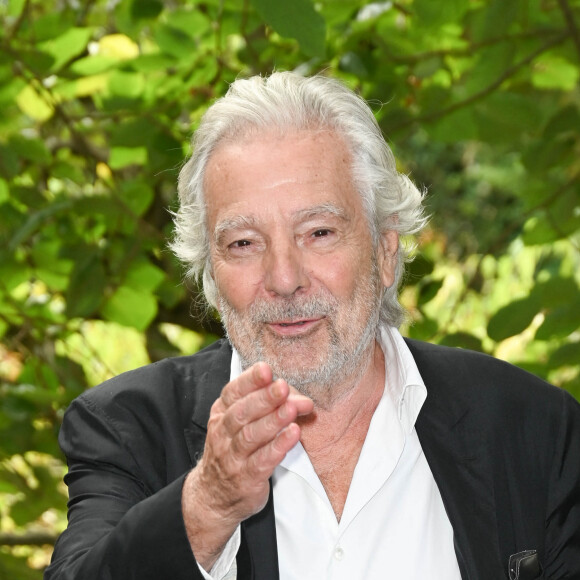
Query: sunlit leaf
(72,43)
(123,156)
(117,47)
(34,105)
(554,72)
(130,307)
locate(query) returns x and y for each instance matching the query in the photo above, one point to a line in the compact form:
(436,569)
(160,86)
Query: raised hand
(250,430)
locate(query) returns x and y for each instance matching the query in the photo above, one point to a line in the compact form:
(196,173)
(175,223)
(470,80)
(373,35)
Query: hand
(250,430)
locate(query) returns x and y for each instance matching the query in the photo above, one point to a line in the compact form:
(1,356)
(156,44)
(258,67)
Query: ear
(387,257)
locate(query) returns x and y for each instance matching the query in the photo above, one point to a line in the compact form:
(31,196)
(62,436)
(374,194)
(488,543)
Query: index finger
(256,377)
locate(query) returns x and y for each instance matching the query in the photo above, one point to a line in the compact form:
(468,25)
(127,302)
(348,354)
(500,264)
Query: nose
(285,272)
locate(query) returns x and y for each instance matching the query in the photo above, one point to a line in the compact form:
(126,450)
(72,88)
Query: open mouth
(299,323)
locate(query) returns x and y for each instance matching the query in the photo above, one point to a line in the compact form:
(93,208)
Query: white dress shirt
(393,525)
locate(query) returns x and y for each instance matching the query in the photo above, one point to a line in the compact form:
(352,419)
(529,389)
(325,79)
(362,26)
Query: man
(315,442)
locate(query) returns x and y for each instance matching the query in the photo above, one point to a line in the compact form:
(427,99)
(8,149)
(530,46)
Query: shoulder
(482,380)
(177,382)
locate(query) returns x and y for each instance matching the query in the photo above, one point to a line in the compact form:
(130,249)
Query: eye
(322,232)
(240,244)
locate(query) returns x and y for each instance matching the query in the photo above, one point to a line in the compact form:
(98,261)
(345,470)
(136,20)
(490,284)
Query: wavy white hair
(290,102)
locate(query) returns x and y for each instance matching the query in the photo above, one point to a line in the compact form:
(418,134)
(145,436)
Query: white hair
(290,102)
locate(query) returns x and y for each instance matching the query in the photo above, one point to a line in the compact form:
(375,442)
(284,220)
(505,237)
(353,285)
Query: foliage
(98,99)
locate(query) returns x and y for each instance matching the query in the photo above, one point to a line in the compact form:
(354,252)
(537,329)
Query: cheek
(237,285)
(340,274)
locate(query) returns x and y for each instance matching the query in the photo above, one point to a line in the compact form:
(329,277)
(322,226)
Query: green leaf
(86,288)
(131,307)
(539,230)
(560,323)
(297,19)
(124,156)
(513,318)
(93,65)
(175,42)
(541,155)
(563,121)
(503,115)
(566,355)
(146,9)
(554,72)
(40,62)
(137,196)
(70,44)
(144,276)
(556,291)
(429,290)
(433,14)
(4,191)
(425,329)
(126,84)
(34,104)
(190,20)
(419,267)
(36,220)
(459,125)
(32,149)
(462,340)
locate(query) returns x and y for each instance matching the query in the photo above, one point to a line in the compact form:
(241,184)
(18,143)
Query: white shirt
(393,524)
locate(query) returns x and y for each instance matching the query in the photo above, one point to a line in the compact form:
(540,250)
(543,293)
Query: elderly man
(315,442)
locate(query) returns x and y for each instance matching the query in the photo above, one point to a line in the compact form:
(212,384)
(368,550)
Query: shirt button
(339,553)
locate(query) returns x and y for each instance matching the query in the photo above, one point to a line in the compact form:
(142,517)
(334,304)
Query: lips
(294,327)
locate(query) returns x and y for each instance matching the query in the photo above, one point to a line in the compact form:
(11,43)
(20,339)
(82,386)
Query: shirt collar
(403,382)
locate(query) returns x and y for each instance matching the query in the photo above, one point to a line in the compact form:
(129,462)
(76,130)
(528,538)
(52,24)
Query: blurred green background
(479,99)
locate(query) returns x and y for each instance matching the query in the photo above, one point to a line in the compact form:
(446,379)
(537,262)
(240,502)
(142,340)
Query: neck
(333,435)
(348,406)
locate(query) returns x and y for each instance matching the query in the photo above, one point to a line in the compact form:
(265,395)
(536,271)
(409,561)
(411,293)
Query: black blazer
(503,446)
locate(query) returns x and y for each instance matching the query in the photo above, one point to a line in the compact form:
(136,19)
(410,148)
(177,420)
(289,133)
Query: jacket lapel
(458,454)
(257,558)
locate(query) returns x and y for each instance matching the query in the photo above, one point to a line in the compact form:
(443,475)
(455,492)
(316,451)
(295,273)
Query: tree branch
(485,92)
(28,539)
(569,18)
(468,50)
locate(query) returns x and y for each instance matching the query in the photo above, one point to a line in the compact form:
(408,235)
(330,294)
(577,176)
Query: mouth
(294,327)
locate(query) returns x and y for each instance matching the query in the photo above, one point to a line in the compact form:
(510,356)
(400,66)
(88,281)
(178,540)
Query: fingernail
(276,389)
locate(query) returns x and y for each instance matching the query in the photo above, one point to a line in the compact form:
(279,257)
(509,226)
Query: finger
(256,377)
(304,404)
(263,462)
(260,405)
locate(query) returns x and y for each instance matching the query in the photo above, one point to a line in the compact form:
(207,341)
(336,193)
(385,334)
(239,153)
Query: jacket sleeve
(120,527)
(563,513)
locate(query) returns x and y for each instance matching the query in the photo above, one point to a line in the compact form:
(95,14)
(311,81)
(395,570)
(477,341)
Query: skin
(274,240)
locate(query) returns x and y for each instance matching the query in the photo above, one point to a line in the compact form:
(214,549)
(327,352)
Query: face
(298,278)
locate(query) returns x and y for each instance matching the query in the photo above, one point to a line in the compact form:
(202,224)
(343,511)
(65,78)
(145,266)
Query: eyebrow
(242,222)
(324,209)
(235,223)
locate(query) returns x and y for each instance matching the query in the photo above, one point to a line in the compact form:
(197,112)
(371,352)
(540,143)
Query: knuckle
(248,434)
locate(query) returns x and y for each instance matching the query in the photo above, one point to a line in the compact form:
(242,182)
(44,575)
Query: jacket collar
(458,454)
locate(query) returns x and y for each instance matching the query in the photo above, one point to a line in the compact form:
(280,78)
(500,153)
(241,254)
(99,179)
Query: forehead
(289,172)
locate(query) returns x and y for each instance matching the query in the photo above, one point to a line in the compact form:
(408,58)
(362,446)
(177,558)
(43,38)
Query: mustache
(264,311)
